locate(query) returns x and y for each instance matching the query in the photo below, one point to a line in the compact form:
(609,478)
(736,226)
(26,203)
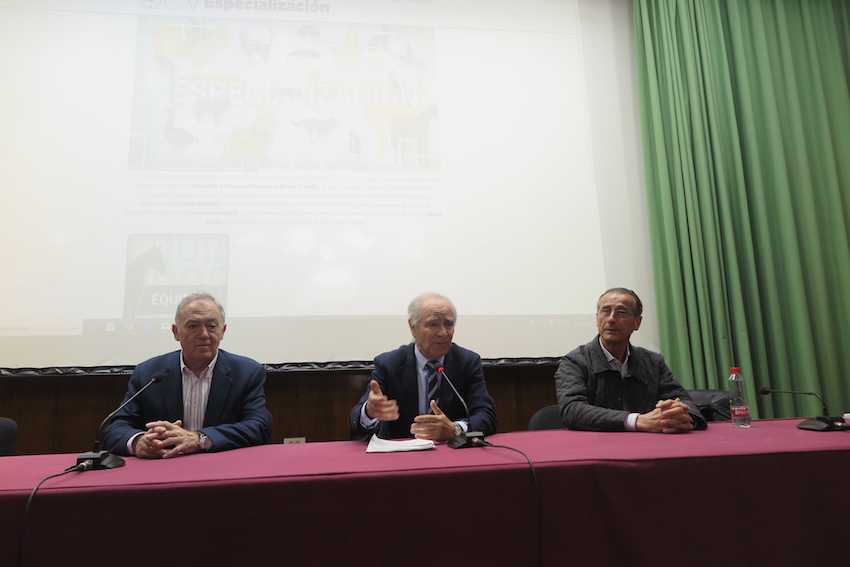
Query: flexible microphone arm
(470,438)
(97,459)
(764,390)
(820,423)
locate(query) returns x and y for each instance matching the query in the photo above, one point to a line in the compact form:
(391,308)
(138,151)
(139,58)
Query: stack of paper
(378,445)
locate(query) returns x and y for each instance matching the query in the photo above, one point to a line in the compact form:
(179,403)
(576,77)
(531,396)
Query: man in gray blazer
(611,385)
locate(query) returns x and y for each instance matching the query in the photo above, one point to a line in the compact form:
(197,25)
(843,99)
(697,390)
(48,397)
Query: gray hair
(194,297)
(414,310)
(626,291)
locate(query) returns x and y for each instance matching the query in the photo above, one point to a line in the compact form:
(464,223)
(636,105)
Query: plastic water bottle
(738,405)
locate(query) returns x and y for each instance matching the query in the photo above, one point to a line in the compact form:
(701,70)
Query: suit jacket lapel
(173,384)
(409,381)
(219,389)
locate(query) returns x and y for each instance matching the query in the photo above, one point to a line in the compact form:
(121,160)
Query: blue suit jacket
(395,371)
(236,414)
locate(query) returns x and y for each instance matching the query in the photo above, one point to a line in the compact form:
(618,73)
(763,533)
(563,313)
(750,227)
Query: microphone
(470,438)
(97,459)
(820,423)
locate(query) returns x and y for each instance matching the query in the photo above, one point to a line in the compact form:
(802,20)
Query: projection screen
(314,165)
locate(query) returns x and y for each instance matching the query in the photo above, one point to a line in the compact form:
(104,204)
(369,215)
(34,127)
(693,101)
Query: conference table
(768,495)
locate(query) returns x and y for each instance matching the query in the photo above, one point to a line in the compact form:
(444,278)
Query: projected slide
(250,95)
(314,165)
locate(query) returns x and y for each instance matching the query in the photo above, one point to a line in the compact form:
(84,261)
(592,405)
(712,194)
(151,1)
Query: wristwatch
(458,430)
(203,441)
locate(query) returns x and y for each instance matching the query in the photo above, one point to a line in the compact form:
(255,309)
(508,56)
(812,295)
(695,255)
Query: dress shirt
(623,368)
(196,394)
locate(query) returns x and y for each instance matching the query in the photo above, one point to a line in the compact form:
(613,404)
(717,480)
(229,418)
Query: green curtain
(745,111)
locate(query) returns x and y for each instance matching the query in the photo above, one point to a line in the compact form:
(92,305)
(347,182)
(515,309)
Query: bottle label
(740,411)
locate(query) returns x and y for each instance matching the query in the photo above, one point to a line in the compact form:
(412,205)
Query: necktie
(433,383)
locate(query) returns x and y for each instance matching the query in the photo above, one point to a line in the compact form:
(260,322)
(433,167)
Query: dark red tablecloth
(721,496)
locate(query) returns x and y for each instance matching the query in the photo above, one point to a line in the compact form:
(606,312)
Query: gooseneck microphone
(470,438)
(97,459)
(820,423)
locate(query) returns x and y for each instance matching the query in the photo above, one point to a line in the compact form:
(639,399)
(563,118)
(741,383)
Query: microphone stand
(97,459)
(469,438)
(819,423)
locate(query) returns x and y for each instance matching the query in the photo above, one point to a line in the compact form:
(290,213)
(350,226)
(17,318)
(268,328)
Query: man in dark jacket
(611,385)
(407,397)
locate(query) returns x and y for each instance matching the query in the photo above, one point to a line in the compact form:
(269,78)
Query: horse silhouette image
(410,136)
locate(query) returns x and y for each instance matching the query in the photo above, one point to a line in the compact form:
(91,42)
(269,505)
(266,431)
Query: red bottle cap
(735,370)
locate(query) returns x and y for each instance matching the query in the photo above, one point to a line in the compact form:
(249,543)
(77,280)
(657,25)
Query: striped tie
(432,384)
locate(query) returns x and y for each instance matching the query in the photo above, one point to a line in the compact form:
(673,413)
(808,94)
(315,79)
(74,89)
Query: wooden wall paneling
(61,413)
(313,405)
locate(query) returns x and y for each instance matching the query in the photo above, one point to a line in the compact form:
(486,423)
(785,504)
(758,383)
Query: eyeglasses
(618,313)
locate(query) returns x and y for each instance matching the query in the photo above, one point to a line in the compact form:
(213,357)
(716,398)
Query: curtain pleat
(745,111)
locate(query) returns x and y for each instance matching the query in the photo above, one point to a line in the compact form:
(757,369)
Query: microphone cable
(479,441)
(79,467)
(485,443)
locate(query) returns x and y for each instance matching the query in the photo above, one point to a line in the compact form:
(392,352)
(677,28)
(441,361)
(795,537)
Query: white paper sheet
(378,445)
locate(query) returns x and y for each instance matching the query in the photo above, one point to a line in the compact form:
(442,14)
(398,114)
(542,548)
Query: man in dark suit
(407,398)
(206,400)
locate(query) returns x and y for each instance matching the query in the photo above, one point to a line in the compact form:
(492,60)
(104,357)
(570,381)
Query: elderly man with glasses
(611,385)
